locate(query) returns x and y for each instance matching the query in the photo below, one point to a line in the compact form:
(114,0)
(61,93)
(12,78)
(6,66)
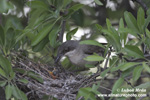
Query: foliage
(37,34)
(127,52)
(89,93)
(8,80)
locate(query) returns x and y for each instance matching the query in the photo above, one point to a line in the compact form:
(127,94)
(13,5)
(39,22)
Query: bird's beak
(58,58)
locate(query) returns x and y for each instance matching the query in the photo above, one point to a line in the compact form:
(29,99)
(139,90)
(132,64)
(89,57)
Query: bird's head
(66,47)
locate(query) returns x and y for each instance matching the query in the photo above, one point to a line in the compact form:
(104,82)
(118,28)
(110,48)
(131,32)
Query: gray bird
(77,52)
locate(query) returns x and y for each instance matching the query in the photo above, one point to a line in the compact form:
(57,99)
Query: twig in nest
(58,88)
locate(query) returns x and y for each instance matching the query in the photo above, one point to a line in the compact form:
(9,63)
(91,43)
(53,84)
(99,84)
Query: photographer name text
(131,90)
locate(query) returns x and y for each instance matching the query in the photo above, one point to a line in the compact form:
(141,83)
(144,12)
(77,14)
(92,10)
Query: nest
(64,86)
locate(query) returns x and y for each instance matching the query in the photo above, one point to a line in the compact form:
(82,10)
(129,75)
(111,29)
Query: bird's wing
(90,49)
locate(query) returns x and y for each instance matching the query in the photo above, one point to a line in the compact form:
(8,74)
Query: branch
(129,83)
(147,58)
(62,31)
(63,25)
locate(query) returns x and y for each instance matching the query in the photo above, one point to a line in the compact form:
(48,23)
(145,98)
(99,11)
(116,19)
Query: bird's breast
(77,58)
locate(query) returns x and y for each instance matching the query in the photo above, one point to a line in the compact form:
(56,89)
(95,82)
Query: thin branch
(62,31)
(147,58)
(129,83)
(63,25)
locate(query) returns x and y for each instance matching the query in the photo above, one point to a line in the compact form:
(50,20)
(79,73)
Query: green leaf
(95,87)
(72,10)
(66,2)
(104,72)
(29,34)
(148,33)
(144,85)
(89,66)
(124,66)
(3,83)
(92,42)
(147,21)
(98,2)
(37,17)
(78,18)
(10,37)
(148,12)
(99,27)
(141,19)
(24,81)
(83,92)
(22,71)
(40,45)
(131,21)
(86,93)
(146,67)
(2,36)
(108,24)
(116,37)
(42,34)
(123,35)
(128,65)
(95,90)
(12,75)
(2,72)
(94,58)
(76,7)
(127,30)
(24,33)
(121,23)
(137,72)
(53,37)
(91,96)
(35,76)
(23,95)
(117,84)
(6,65)
(133,51)
(113,37)
(5,6)
(71,33)
(37,5)
(127,72)
(17,93)
(8,91)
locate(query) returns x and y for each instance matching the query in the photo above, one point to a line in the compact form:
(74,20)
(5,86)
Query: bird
(76,52)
